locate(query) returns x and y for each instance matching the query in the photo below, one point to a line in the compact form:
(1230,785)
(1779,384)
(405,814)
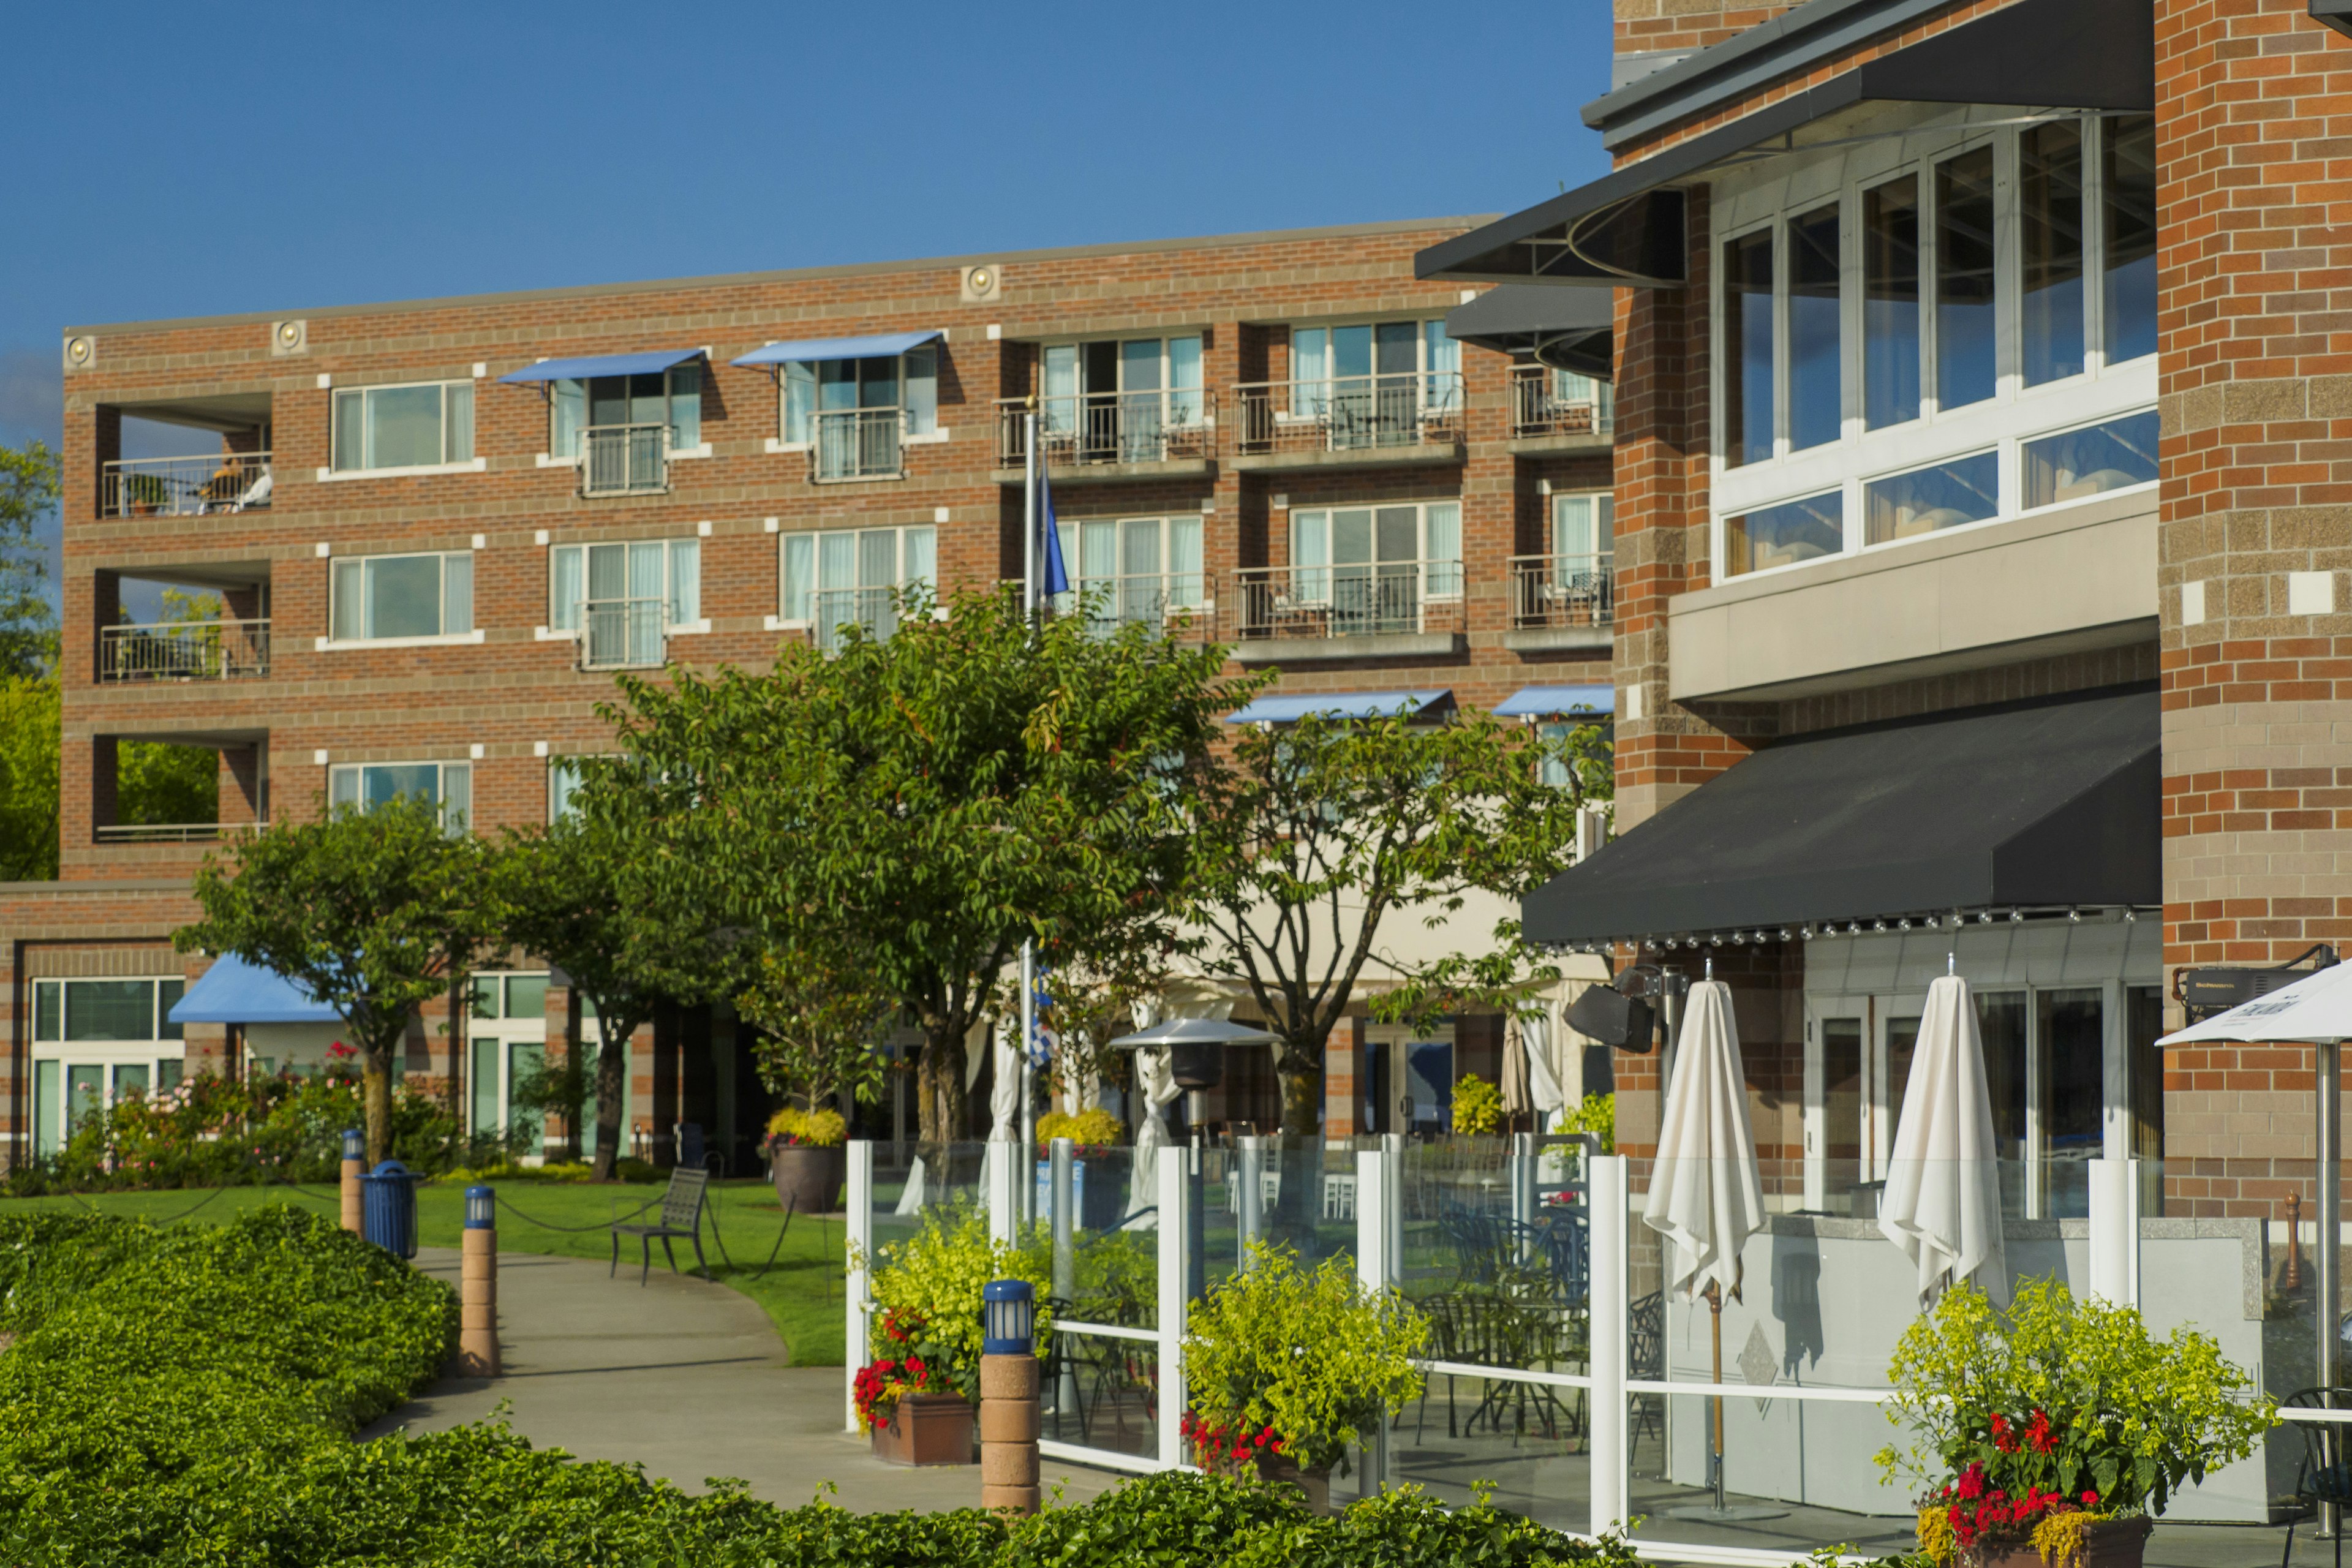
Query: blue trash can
(388,1208)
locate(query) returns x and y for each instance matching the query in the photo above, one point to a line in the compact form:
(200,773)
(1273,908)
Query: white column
(857,1232)
(1175,1210)
(1605,1192)
(1379,1222)
(2113,1243)
(1000,1170)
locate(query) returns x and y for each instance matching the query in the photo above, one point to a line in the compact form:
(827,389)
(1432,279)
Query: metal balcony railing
(860,443)
(1346,600)
(622,634)
(1342,414)
(1175,601)
(830,609)
(162,832)
(1546,402)
(1561,590)
(185,650)
(1170,424)
(185,487)
(624,460)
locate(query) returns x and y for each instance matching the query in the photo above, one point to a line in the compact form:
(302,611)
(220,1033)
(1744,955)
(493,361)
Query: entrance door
(1837,1093)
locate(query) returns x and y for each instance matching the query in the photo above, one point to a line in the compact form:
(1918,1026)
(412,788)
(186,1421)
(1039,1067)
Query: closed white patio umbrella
(1942,1205)
(1706,1194)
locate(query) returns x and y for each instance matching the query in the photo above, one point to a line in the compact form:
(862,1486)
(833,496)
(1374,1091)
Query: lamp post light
(478,1286)
(354,1162)
(1008,1396)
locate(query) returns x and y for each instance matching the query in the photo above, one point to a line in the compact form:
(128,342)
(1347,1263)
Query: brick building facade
(401,515)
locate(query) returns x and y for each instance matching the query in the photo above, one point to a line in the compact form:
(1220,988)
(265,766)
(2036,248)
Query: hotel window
(670,398)
(92,1011)
(1785,534)
(380,596)
(831,579)
(563,785)
(2128,235)
(96,1041)
(1890,302)
(663,574)
(421,427)
(365,786)
(1381,367)
(1115,400)
(1132,569)
(908,383)
(2089,461)
(1748,348)
(1966,281)
(1376,565)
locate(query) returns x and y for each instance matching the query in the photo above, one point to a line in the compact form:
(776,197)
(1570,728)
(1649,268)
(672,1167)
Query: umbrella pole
(1715,1315)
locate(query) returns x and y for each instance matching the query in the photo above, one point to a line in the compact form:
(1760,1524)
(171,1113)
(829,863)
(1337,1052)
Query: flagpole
(1028,947)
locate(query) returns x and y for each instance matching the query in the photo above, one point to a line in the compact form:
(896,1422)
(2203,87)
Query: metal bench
(681,1215)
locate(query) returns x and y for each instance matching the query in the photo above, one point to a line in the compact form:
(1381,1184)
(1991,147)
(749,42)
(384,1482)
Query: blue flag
(1049,548)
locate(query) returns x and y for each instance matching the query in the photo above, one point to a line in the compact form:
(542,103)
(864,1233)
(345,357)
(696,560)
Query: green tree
(29,487)
(929,799)
(371,911)
(1311,837)
(28,778)
(821,1011)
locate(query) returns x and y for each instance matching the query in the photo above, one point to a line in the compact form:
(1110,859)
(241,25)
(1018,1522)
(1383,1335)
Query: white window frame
(471,463)
(674,548)
(782,441)
(109,1056)
(2014,416)
(555,458)
(1424,559)
(784,620)
(1073,534)
(336,576)
(1422,367)
(1167,388)
(340,772)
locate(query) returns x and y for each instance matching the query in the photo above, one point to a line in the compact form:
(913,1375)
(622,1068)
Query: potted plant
(2049,1435)
(1095,1131)
(1288,1366)
(918,1395)
(1478,1107)
(807,1158)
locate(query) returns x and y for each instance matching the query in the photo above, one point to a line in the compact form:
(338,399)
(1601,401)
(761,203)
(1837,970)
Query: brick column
(1342,1093)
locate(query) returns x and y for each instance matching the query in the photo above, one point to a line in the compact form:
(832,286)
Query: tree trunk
(611,1082)
(375,1103)
(939,1079)
(1302,1091)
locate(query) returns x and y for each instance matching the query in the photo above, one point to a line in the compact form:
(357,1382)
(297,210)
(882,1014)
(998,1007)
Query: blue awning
(644,363)
(1343,705)
(1543,701)
(888,345)
(235,991)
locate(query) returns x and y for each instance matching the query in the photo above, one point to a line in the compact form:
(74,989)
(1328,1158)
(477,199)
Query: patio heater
(1008,1396)
(1196,1060)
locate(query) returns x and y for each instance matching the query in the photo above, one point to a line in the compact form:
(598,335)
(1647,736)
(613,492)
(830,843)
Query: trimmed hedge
(187,1395)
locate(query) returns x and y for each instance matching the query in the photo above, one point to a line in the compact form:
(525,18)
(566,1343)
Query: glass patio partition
(1099,1376)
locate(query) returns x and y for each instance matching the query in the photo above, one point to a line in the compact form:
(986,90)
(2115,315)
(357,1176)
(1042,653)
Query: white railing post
(1175,1273)
(1378,1228)
(857,1236)
(2115,1230)
(1000,1179)
(1609,1457)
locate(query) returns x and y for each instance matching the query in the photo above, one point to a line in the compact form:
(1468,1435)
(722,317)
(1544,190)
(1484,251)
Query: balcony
(1388,609)
(170,832)
(624,460)
(1175,602)
(1111,434)
(199,486)
(852,444)
(185,650)
(1550,408)
(873,609)
(1560,602)
(1361,421)
(622,634)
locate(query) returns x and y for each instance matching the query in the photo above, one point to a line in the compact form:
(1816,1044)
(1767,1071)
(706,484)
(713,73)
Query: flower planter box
(2116,1544)
(926,1430)
(1314,1485)
(808,1179)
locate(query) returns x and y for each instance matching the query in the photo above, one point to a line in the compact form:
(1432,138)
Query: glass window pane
(2000,1023)
(48,1129)
(2049,241)
(921,562)
(1965,270)
(1785,534)
(1310,539)
(646,569)
(457,593)
(351,430)
(1351,536)
(1890,302)
(648,399)
(167,996)
(484,1087)
(800,400)
(878,383)
(836,384)
(1925,500)
(49,1010)
(1140,547)
(404,597)
(2088,462)
(562,782)
(1396,347)
(457,794)
(1442,547)
(1351,351)
(457,423)
(487,995)
(568,411)
(351,601)
(685,406)
(608,401)
(1058,415)
(526,995)
(403,427)
(2131,236)
(384,782)
(109,1010)
(2073,1062)
(1186,585)
(564,595)
(800,574)
(1816,406)
(836,561)
(608,572)
(343,787)
(1748,349)
(1098,549)
(685,582)
(1138,365)
(877,558)
(169,1072)
(922,369)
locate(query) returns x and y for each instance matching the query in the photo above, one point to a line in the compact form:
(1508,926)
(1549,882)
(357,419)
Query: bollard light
(481,1208)
(354,1144)
(478,1285)
(1009,1318)
(354,1162)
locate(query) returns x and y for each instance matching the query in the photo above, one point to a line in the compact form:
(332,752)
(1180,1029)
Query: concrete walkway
(684,1377)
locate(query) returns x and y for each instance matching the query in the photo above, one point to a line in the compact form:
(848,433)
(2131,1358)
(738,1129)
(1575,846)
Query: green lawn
(801,1293)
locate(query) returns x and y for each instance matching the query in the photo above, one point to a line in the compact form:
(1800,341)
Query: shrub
(928,1288)
(1477,1106)
(1093,1128)
(820,1129)
(1596,1115)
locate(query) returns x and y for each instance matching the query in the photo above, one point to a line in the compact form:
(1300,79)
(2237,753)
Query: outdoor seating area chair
(1645,1358)
(2325,1475)
(681,1215)
(1481,1329)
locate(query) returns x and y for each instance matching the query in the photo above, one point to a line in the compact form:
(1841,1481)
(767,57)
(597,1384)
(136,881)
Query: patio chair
(2324,1477)
(1645,1358)
(681,1215)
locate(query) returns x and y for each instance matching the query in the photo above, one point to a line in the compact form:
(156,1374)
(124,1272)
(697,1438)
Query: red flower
(2039,1434)
(2089,1499)
(1972,1483)
(2002,1437)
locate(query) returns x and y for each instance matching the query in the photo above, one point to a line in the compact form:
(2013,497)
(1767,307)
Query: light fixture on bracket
(1905,923)
(2016,917)
(1879,925)
(2074,917)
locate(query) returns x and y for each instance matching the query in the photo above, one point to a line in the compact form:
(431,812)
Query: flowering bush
(1219,1449)
(1477,1106)
(1090,1129)
(928,1287)
(793,1128)
(2054,1408)
(906,1370)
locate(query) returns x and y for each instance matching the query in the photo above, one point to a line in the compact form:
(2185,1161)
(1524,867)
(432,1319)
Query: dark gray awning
(1626,228)
(2029,805)
(1568,329)
(2337,14)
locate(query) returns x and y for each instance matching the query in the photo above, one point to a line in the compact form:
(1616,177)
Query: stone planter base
(2117,1543)
(808,1179)
(926,1430)
(1314,1485)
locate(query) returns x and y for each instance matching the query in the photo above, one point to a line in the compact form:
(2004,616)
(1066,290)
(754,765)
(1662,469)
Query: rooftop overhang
(1628,227)
(1566,329)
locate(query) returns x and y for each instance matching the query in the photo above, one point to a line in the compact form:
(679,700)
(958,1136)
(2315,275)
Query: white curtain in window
(1442,358)
(800,574)
(921,559)
(351,601)
(1058,413)
(1310,556)
(1184,403)
(921,370)
(1310,363)
(1186,584)
(800,400)
(685,582)
(1441,544)
(457,594)
(457,422)
(564,588)
(457,793)
(568,405)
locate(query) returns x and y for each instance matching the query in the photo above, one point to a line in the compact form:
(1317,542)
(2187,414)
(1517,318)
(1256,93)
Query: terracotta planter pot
(926,1430)
(809,1179)
(2117,1543)
(1314,1485)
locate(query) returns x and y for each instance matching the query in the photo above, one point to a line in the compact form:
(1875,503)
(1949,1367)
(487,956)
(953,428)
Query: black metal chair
(2324,1476)
(1645,1358)
(681,1215)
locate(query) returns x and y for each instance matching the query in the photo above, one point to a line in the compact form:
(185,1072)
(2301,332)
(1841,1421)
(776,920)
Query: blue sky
(180,161)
